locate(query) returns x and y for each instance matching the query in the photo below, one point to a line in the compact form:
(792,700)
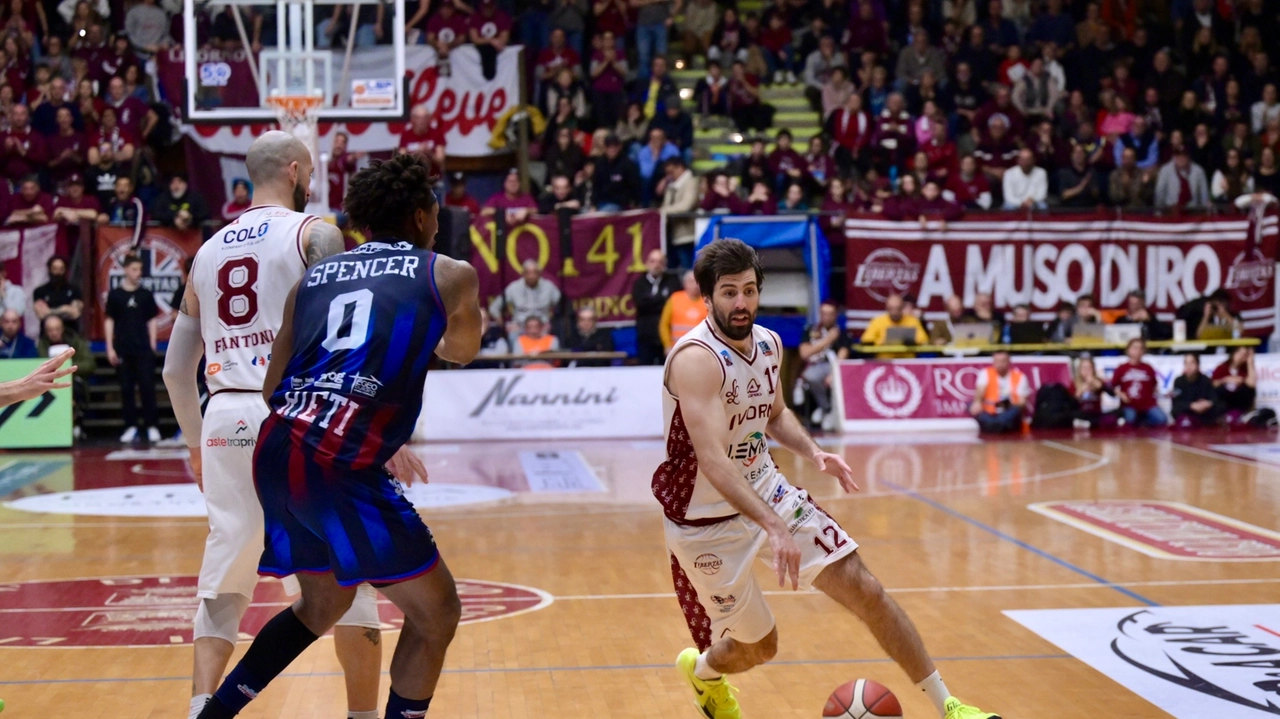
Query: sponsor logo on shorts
(330,380)
(731,397)
(708,564)
(725,603)
(247,691)
(241,426)
(803,510)
(753,388)
(1167,530)
(231,442)
(778,494)
(213,368)
(260,361)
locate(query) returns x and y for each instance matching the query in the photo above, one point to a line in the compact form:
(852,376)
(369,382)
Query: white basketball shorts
(711,566)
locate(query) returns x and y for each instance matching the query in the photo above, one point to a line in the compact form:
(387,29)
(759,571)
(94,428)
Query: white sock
(703,671)
(363,715)
(937,692)
(197,704)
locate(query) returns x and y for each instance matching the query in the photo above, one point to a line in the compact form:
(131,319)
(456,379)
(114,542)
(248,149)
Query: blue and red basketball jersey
(365,324)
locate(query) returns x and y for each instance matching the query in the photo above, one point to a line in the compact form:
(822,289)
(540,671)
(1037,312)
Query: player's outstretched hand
(41,380)
(786,556)
(405,465)
(834,465)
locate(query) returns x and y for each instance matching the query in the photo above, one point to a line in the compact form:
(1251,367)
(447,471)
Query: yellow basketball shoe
(958,710)
(714,698)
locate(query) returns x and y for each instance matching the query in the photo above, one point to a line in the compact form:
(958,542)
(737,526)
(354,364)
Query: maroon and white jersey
(242,276)
(748,389)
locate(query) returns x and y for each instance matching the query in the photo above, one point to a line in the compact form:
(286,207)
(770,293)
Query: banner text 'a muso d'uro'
(1054,260)
(607,255)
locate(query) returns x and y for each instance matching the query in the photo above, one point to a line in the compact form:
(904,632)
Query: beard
(299,197)
(734,332)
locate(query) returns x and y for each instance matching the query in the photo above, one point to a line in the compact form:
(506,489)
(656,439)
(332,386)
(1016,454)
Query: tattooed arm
(322,240)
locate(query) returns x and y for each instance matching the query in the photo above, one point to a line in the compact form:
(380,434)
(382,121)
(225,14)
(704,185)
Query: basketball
(862,699)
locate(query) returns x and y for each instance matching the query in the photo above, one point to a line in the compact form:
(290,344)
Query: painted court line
(526,670)
(1030,548)
(1216,455)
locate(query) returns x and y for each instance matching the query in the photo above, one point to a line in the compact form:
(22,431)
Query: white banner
(464,103)
(576,403)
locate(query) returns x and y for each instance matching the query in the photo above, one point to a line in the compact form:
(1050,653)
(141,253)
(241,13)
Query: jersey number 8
(238,292)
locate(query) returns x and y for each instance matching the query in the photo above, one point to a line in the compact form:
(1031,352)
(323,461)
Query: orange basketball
(862,699)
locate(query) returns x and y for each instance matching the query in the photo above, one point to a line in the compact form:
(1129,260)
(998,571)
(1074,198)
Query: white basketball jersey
(747,393)
(242,276)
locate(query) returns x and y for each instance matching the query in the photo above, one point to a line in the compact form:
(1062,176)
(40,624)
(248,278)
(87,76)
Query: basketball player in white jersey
(724,498)
(232,308)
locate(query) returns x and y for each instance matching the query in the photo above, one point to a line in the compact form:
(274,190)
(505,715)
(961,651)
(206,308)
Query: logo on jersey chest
(764,347)
(754,411)
(753,389)
(731,397)
(750,449)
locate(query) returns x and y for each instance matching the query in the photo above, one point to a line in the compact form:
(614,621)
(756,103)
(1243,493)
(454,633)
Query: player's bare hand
(43,378)
(112,357)
(197,467)
(834,465)
(405,465)
(786,556)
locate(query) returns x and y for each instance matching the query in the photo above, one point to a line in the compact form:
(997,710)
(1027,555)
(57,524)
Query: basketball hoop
(294,112)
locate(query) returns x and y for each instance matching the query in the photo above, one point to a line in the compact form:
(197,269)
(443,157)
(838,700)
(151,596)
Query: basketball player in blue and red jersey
(723,498)
(345,388)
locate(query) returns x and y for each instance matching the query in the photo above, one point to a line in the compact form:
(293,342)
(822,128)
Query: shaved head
(279,162)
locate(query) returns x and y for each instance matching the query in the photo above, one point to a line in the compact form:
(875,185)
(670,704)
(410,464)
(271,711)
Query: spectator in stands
(677,124)
(728,41)
(447,28)
(130,328)
(654,91)
(745,105)
(515,204)
(1194,397)
(825,341)
(837,91)
(1088,389)
(111,139)
(608,78)
(877,331)
(458,197)
(75,206)
(1236,382)
(1021,315)
(711,94)
(424,136)
(650,294)
(785,164)
(1078,181)
(559,53)
(701,18)
(565,102)
(650,160)
(493,342)
(181,207)
(1128,186)
(1000,396)
(58,297)
(997,152)
(562,196)
(721,198)
(942,331)
(1217,320)
(760,200)
(588,336)
(242,199)
(125,208)
(147,27)
(778,47)
(53,335)
(11,296)
(682,312)
(617,180)
(1136,384)
(490,32)
(1181,185)
(1266,178)
(933,207)
(916,60)
(23,148)
(679,191)
(817,69)
(1062,326)
(14,344)
(44,117)
(969,187)
(793,200)
(564,156)
(134,115)
(1026,186)
(1136,312)
(533,341)
(530,295)
(30,206)
(1037,93)
(653,22)
(1230,180)
(893,143)
(984,311)
(342,163)
(67,149)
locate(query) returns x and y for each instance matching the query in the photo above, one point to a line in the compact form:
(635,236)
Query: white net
(297,115)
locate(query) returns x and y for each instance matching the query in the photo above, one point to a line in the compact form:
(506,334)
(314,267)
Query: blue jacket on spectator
(20,347)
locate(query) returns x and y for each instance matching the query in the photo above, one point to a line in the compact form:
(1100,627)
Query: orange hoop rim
(295,104)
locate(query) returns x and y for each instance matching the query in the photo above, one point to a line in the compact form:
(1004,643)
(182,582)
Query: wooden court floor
(943,521)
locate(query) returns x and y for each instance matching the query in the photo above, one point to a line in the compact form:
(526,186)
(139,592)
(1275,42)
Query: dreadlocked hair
(383,196)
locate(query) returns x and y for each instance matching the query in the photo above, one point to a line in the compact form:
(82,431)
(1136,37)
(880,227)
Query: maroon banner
(1049,260)
(25,252)
(608,255)
(927,393)
(163,251)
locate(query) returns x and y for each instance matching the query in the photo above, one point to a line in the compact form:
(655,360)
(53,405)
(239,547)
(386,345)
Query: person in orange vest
(534,341)
(683,311)
(1000,396)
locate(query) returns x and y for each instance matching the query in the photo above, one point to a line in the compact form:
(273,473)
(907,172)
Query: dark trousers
(138,370)
(1006,420)
(649,352)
